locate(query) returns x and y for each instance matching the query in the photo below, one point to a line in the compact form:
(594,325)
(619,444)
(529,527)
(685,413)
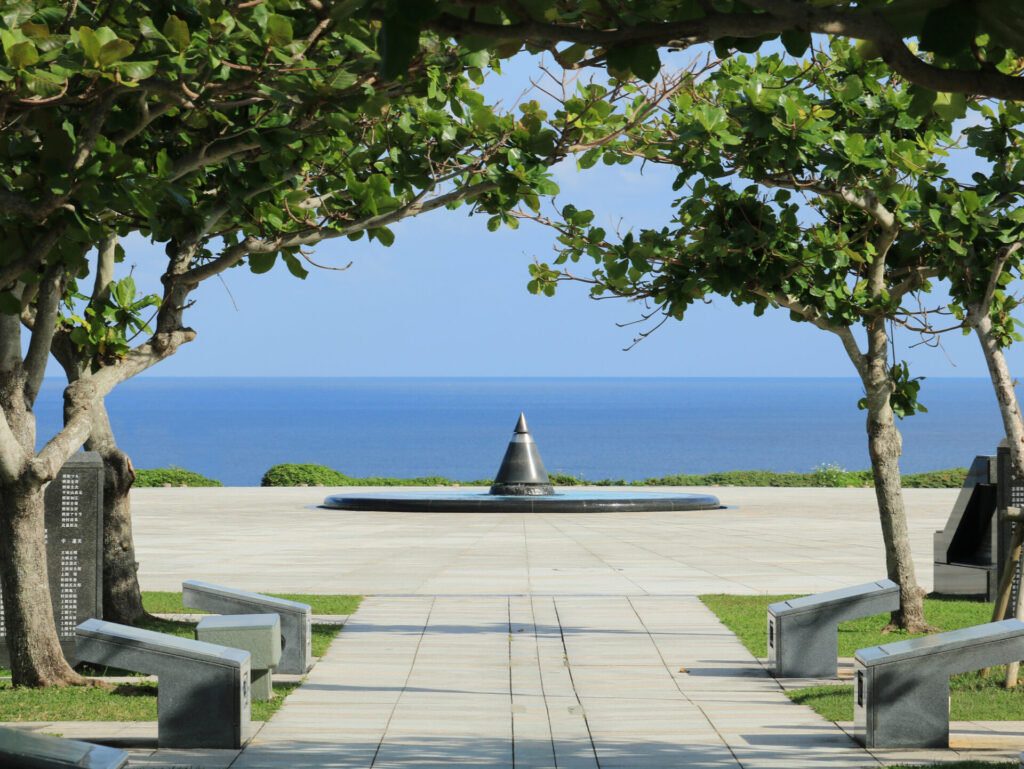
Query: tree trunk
(36,656)
(885,446)
(122,599)
(1009,409)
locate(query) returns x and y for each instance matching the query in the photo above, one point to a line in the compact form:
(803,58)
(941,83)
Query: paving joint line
(405,684)
(543,689)
(675,682)
(572,680)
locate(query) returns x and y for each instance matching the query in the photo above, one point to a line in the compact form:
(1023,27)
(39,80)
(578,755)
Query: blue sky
(449,299)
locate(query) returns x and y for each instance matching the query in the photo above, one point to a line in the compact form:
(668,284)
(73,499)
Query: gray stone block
(203,690)
(296,618)
(30,750)
(74,549)
(802,632)
(258,634)
(901,693)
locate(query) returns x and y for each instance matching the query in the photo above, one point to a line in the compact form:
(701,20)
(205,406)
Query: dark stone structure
(74,549)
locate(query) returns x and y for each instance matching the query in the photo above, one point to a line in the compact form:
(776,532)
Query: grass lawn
(972,698)
(137,701)
(162,602)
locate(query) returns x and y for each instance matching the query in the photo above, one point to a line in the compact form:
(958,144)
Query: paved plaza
(554,641)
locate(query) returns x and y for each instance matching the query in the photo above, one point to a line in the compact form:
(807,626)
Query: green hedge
(823,476)
(319,475)
(174,476)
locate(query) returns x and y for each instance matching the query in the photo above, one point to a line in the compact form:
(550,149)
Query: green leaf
(124,291)
(644,62)
(113,51)
(854,145)
(261,263)
(796,41)
(176,31)
(23,54)
(295,266)
(384,235)
(90,45)
(852,88)
(280,29)
(950,106)
(137,70)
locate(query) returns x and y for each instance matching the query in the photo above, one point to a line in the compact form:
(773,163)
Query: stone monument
(74,549)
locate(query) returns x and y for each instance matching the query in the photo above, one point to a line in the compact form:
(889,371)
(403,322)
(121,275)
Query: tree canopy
(235,135)
(960,46)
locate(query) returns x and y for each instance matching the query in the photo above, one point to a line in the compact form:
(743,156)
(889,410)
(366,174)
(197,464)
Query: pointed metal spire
(522,472)
(521,424)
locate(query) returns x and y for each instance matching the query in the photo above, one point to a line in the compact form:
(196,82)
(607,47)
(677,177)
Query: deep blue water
(234,429)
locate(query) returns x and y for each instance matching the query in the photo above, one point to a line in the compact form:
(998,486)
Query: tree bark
(979,319)
(122,598)
(885,446)
(36,656)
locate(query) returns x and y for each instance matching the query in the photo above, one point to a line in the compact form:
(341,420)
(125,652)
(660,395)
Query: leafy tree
(236,135)
(810,187)
(953,46)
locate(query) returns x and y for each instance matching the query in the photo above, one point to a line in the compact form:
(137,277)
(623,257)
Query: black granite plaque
(74,548)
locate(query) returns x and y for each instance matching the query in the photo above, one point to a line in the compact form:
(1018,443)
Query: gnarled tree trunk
(122,598)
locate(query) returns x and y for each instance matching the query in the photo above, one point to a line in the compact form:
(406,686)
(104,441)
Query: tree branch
(777,16)
(867,203)
(312,235)
(47,305)
(205,157)
(79,397)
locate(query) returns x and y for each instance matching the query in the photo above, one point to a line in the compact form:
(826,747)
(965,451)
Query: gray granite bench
(802,632)
(203,692)
(296,618)
(258,634)
(31,750)
(901,693)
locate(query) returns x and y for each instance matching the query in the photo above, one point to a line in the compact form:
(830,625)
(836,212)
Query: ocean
(234,429)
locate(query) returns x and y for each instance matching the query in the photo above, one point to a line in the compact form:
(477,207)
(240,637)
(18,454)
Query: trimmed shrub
(320,475)
(298,475)
(175,476)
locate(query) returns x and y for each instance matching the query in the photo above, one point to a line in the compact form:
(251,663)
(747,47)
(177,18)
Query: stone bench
(203,692)
(31,750)
(901,695)
(802,632)
(296,618)
(258,634)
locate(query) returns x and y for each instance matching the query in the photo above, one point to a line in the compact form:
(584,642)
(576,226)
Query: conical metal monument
(522,472)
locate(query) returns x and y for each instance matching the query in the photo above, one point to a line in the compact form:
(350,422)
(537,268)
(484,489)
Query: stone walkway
(596,667)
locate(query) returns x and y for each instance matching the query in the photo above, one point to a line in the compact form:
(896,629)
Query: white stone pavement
(547,641)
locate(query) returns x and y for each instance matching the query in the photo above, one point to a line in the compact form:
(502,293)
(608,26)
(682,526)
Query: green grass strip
(972,697)
(164,602)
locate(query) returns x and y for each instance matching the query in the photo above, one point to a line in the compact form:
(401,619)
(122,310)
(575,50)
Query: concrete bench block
(802,632)
(901,690)
(258,634)
(203,690)
(296,618)
(30,750)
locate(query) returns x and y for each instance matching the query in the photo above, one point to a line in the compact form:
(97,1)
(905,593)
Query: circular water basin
(477,501)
